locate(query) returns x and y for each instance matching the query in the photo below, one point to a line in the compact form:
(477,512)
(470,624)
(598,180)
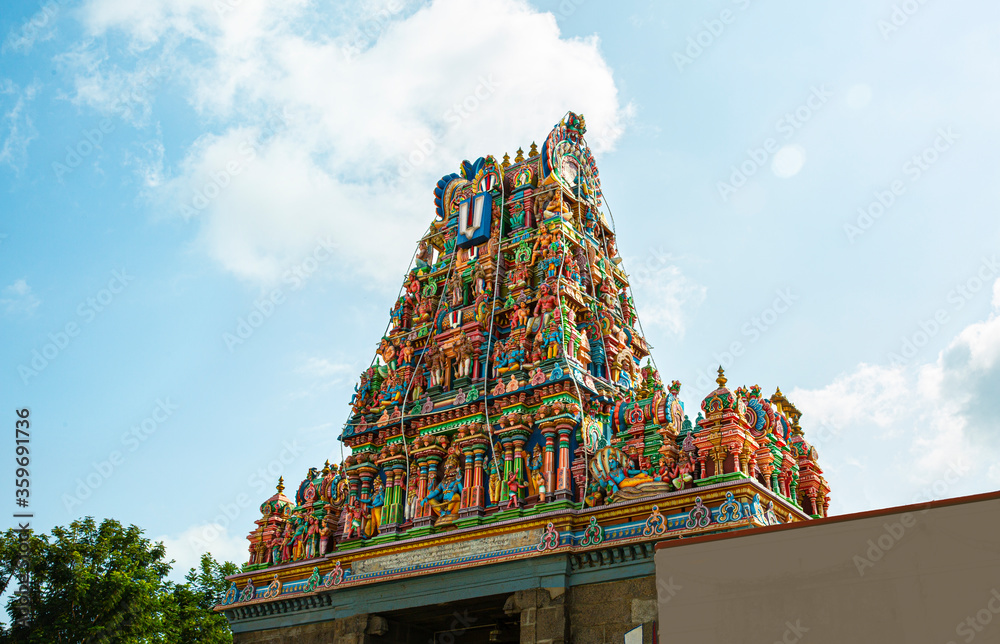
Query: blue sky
(805,193)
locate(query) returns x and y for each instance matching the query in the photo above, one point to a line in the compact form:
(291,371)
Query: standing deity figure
(389,350)
(495,484)
(406,354)
(275,545)
(286,542)
(345,517)
(456,291)
(375,509)
(465,352)
(536,478)
(513,488)
(356,525)
(298,540)
(312,538)
(411,494)
(326,530)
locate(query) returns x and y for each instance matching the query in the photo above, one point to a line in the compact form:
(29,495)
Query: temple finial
(533,151)
(281,484)
(721,380)
(520,156)
(506,160)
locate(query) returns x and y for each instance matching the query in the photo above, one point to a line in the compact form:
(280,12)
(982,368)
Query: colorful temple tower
(508,421)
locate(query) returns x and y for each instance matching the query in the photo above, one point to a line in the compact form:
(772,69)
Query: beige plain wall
(901,577)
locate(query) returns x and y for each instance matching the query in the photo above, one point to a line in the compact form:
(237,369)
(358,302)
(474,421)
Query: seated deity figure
(446,497)
(683,472)
(521,316)
(557,207)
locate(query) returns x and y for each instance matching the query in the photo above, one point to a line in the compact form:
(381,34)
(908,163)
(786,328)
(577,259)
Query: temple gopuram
(514,453)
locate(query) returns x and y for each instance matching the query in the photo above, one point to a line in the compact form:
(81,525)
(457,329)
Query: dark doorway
(472,621)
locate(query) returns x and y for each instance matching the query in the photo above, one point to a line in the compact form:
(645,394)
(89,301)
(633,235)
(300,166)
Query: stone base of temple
(586,614)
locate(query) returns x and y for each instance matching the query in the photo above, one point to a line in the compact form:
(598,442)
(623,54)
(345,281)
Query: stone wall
(359,629)
(600,613)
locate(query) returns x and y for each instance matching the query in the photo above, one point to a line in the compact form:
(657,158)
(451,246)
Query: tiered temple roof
(508,413)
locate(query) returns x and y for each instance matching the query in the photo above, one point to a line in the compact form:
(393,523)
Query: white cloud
(664,295)
(915,432)
(353,157)
(325,375)
(323,368)
(18,299)
(17,130)
(187,547)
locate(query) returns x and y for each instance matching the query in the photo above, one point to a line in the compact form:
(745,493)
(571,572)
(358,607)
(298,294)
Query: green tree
(190,617)
(106,584)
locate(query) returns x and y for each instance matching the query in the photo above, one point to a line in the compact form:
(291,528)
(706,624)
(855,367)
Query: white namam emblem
(470,215)
(569,170)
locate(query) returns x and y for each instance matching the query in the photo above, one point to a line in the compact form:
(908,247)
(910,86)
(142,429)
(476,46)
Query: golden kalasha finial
(520,156)
(506,160)
(534,150)
(281,484)
(721,380)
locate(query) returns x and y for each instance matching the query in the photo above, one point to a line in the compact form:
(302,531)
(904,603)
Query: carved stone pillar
(549,459)
(473,492)
(564,485)
(428,460)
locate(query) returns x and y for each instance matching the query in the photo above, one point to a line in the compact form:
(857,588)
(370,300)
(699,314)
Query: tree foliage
(107,584)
